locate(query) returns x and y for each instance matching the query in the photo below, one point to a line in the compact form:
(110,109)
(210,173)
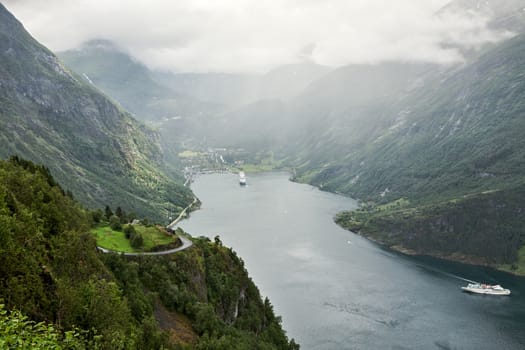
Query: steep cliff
(90,144)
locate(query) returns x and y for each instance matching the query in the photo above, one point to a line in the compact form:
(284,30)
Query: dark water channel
(337,290)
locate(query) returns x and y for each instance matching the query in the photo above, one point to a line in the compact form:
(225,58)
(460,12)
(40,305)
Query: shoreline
(458,258)
(181,216)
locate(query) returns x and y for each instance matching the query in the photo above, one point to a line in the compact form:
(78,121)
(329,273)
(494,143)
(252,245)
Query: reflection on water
(336,290)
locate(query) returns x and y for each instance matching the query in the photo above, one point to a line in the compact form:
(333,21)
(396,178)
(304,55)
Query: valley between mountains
(92,139)
(433,152)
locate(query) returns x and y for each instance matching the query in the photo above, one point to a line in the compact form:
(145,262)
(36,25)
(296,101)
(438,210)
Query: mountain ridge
(455,157)
(95,148)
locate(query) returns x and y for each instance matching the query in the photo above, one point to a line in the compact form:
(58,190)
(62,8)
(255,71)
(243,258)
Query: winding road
(182,215)
(186,243)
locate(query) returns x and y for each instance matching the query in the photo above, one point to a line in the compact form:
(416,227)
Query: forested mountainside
(51,272)
(460,133)
(177,116)
(455,154)
(92,146)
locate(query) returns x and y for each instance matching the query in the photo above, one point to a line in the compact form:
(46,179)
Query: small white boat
(242,178)
(479,288)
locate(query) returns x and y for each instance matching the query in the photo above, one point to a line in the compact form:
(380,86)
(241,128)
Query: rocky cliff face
(93,147)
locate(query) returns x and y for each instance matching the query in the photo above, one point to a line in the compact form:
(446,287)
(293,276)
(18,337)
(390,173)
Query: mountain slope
(131,83)
(465,128)
(50,270)
(455,158)
(177,103)
(236,90)
(335,111)
(93,147)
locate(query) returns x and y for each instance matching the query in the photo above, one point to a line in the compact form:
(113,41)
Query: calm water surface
(336,290)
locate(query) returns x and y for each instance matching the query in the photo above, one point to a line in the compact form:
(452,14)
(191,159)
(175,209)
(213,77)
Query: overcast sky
(256,35)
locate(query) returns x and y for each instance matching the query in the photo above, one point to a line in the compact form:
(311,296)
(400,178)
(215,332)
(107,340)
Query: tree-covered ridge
(51,271)
(48,261)
(209,284)
(487,228)
(92,146)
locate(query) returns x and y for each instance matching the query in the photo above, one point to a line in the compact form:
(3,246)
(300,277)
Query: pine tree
(108,212)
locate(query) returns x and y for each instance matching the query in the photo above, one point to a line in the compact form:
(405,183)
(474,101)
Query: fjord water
(337,290)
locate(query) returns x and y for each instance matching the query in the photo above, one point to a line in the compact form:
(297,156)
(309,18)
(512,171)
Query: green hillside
(456,153)
(461,135)
(178,116)
(51,272)
(92,146)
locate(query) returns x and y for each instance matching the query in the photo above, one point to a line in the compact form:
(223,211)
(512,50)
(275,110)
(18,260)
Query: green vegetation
(207,283)
(114,223)
(113,240)
(50,269)
(17,331)
(398,203)
(51,272)
(488,228)
(255,168)
(232,160)
(518,267)
(154,236)
(49,266)
(121,240)
(93,147)
(261,162)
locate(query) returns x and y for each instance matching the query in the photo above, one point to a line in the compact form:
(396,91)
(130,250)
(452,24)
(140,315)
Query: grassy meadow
(117,241)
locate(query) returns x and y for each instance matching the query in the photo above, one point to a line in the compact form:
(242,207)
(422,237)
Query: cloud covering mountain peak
(254,36)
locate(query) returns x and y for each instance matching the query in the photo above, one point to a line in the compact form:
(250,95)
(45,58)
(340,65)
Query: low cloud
(255,35)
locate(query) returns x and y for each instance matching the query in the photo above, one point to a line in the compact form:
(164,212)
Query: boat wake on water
(458,277)
(426,267)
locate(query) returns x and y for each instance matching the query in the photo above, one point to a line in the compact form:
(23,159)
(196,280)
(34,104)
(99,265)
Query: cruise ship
(242,178)
(486,289)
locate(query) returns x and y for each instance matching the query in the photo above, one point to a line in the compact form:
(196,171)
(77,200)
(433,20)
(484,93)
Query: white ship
(479,288)
(242,178)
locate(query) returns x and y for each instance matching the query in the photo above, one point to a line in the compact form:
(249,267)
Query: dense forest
(57,290)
